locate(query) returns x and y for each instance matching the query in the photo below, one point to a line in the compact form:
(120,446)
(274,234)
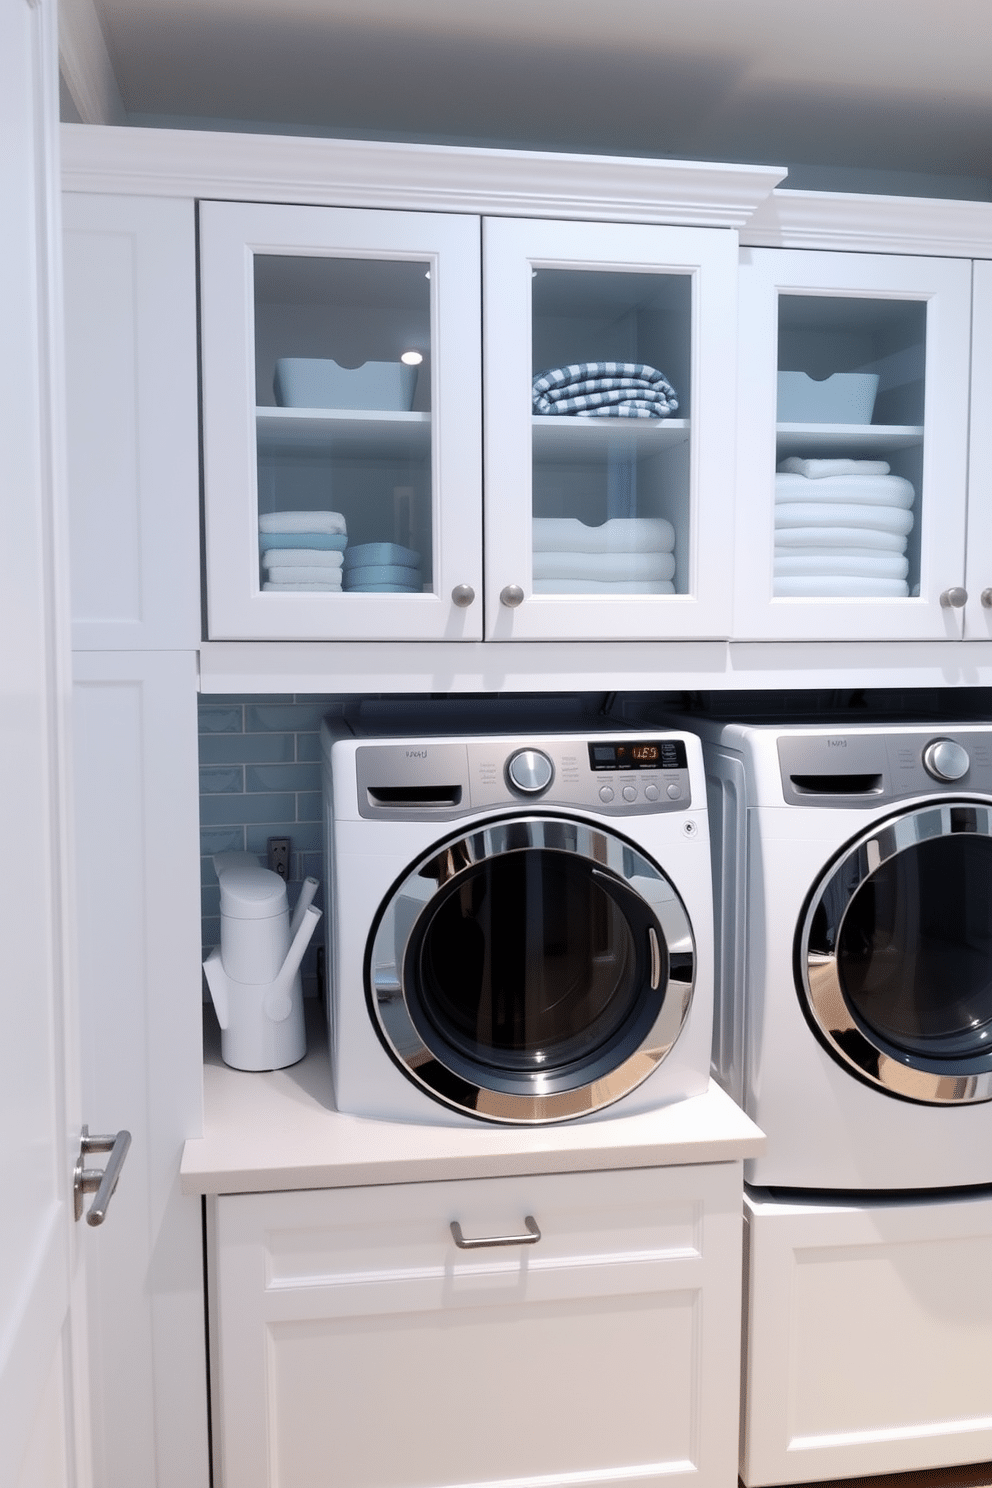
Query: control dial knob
(945,760)
(530,771)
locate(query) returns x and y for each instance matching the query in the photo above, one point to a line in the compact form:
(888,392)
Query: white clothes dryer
(520,925)
(853,877)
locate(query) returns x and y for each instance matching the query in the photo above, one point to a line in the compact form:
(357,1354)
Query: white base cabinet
(354,1343)
(868,1337)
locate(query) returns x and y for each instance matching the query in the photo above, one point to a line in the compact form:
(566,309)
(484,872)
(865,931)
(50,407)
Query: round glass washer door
(531,970)
(894,955)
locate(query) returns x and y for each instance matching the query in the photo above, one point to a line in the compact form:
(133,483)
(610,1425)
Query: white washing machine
(520,924)
(853,874)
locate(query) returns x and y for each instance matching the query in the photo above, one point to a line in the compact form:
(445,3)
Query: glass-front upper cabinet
(853,394)
(609,408)
(342,444)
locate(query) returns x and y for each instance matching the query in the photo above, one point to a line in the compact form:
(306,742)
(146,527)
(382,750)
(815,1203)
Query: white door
(851,357)
(613,521)
(42,1399)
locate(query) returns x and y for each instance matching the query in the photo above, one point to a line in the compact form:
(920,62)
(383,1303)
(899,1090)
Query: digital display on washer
(638,754)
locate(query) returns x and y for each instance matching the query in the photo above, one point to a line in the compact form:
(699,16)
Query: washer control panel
(867,767)
(445,779)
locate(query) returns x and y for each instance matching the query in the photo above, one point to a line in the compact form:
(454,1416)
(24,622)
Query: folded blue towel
(382,573)
(382,552)
(383,589)
(331,542)
(604,390)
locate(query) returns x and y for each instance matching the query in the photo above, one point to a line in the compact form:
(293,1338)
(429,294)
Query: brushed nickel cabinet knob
(512,596)
(954,599)
(462,595)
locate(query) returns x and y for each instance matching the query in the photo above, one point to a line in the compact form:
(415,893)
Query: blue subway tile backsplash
(260,778)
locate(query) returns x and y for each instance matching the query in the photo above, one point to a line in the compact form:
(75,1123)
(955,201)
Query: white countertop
(272,1131)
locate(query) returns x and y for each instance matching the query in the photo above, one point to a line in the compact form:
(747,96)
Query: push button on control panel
(630,792)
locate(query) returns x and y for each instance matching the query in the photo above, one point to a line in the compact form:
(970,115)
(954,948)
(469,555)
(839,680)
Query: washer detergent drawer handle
(464,1243)
(655,958)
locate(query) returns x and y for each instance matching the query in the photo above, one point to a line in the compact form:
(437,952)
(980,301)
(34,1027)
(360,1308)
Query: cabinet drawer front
(353,1338)
(393,1249)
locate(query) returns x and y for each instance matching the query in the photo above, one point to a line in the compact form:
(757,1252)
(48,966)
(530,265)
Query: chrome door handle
(464,1243)
(101,1181)
(954,599)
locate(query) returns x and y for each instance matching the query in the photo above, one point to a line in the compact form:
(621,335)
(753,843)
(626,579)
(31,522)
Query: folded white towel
(618,535)
(305,521)
(845,588)
(302,558)
(842,514)
(298,574)
(876,565)
(839,537)
(310,588)
(605,566)
(818,469)
(833,551)
(877,490)
(596,586)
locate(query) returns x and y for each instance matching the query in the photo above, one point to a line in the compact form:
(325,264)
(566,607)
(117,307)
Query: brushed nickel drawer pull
(531,1238)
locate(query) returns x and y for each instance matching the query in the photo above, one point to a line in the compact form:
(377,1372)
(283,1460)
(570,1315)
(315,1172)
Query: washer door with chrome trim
(894,955)
(533,969)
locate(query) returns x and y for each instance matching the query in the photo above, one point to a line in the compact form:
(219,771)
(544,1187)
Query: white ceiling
(877,85)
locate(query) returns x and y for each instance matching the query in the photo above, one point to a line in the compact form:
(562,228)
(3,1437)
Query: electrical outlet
(278,859)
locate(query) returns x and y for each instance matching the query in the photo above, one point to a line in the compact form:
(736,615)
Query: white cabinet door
(137,863)
(978,612)
(868,1338)
(133,422)
(342,440)
(598,526)
(861,357)
(356,1344)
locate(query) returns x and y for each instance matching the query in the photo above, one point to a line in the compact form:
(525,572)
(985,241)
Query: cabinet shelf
(356,433)
(849,440)
(564,437)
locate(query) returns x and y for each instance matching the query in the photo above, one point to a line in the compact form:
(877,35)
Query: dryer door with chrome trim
(894,955)
(532,969)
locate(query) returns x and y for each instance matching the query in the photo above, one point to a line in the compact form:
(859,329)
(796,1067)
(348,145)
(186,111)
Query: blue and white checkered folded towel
(604,390)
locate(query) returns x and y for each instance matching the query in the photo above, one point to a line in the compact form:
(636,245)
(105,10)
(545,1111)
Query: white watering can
(254,974)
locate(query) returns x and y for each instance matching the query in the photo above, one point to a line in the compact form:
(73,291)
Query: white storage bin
(844,398)
(318,382)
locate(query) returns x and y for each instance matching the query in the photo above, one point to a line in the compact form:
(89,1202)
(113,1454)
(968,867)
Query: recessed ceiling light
(412,358)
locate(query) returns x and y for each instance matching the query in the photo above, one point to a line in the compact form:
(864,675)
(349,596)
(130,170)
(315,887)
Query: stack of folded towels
(302,550)
(625,555)
(841,528)
(382,568)
(604,390)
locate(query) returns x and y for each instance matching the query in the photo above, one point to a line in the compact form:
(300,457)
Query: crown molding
(871,224)
(368,173)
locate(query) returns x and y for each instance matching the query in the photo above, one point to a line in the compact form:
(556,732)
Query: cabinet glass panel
(610,404)
(849,446)
(343,416)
